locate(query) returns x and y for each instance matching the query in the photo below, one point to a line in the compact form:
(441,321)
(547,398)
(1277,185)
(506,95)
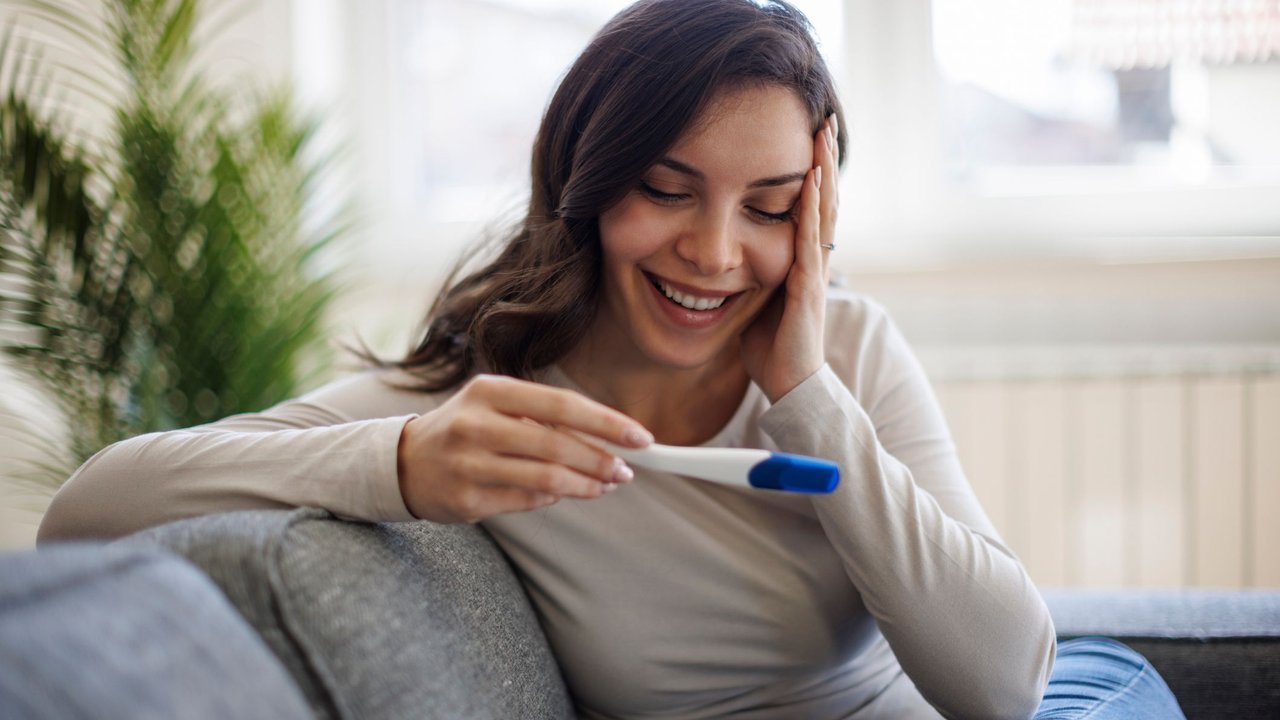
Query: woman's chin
(685,355)
(680,363)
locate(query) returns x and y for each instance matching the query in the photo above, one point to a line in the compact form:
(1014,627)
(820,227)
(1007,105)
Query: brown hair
(645,77)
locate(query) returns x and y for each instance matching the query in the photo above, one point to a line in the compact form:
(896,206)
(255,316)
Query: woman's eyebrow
(762,182)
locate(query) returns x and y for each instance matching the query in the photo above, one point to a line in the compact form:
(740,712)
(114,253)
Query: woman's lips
(688,289)
(684,317)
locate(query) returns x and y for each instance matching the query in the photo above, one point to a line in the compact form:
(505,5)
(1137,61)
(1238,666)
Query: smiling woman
(669,282)
(692,255)
(603,147)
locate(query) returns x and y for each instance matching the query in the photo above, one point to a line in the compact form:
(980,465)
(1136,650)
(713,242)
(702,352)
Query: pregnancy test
(744,467)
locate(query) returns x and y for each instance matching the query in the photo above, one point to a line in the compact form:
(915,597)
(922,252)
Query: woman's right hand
(503,445)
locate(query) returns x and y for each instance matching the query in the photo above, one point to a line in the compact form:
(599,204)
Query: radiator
(1110,467)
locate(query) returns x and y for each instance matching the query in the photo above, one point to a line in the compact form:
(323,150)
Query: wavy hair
(644,78)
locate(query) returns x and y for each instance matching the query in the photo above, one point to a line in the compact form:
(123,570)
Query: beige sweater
(674,597)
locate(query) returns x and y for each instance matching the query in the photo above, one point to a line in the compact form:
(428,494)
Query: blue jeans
(1099,678)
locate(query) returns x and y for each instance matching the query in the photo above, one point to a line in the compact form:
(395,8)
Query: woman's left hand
(783,346)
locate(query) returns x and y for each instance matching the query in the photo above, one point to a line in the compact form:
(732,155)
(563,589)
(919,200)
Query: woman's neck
(679,406)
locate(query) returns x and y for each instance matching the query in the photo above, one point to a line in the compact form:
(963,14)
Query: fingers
(534,476)
(528,436)
(809,266)
(490,449)
(557,406)
(827,162)
(499,501)
(508,436)
(830,163)
(479,502)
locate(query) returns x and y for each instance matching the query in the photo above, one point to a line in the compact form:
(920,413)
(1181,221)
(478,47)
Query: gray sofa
(295,614)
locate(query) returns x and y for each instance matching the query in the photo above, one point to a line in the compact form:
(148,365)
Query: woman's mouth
(689,308)
(689,301)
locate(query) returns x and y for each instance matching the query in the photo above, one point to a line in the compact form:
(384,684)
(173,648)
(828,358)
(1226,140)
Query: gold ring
(827,246)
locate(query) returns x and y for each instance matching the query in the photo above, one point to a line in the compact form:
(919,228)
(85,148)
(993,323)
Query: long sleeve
(334,448)
(956,606)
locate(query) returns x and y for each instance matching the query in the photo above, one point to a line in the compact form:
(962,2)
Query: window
(1035,128)
(470,81)
(1051,128)
(1145,93)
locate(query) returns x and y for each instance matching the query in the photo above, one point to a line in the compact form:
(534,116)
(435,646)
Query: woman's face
(694,252)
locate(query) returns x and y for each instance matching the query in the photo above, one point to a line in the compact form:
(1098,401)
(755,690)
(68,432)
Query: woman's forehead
(753,129)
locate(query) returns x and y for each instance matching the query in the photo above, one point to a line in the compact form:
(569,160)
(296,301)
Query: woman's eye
(659,196)
(771,218)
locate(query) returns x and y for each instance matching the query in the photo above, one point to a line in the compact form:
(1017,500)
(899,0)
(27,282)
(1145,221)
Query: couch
(296,614)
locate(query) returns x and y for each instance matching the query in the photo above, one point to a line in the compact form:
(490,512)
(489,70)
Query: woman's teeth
(690,301)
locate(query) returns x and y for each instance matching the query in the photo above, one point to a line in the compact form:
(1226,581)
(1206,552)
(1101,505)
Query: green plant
(163,276)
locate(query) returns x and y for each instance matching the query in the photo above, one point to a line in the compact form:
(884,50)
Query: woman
(668,282)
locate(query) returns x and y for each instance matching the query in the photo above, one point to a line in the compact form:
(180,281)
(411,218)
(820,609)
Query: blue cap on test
(795,473)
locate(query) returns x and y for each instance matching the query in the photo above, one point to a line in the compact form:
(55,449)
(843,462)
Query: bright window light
(1145,93)
(470,79)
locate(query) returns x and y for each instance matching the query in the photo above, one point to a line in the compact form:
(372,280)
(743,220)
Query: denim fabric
(1099,678)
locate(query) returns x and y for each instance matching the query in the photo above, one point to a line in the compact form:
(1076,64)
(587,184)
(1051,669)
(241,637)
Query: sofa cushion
(381,620)
(1219,650)
(92,631)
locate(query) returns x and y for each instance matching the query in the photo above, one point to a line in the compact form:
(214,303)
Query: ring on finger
(827,246)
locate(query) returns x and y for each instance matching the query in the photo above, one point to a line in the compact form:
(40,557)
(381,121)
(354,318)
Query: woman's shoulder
(851,313)
(862,342)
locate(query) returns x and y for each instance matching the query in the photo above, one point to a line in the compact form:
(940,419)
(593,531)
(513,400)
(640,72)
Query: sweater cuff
(385,496)
(819,417)
(800,421)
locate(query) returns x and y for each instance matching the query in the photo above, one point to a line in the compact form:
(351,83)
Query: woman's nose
(709,244)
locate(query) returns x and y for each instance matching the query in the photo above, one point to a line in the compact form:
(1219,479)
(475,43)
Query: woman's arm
(956,606)
(362,450)
(334,448)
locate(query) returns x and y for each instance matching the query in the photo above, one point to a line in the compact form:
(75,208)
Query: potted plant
(166,273)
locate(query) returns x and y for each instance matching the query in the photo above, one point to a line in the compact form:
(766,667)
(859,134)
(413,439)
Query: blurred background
(1071,208)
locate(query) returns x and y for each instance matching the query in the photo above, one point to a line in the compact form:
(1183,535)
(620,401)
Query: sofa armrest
(92,631)
(1219,650)
(381,620)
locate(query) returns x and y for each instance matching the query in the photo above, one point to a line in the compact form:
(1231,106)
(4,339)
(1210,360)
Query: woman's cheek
(631,230)
(774,255)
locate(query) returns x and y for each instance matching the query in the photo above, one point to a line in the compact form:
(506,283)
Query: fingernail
(622,473)
(639,438)
(609,487)
(817,177)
